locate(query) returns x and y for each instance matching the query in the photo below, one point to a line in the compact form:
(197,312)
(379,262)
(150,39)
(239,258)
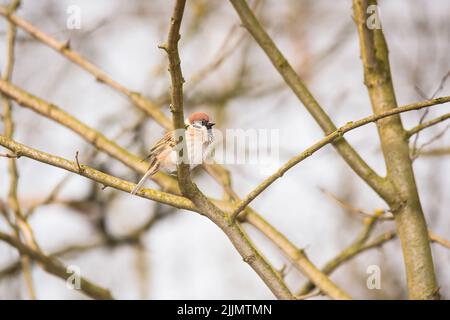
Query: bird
(163,155)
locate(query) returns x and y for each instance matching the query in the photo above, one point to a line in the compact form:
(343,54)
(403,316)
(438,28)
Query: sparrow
(163,155)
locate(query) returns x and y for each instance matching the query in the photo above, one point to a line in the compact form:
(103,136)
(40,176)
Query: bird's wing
(167,141)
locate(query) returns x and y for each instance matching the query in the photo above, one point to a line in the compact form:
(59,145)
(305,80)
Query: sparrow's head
(199,120)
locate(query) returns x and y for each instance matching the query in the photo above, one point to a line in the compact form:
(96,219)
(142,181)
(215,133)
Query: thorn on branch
(301,252)
(80,167)
(66,45)
(164,47)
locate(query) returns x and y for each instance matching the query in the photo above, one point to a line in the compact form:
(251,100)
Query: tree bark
(405,202)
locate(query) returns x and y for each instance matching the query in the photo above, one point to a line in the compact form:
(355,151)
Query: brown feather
(167,141)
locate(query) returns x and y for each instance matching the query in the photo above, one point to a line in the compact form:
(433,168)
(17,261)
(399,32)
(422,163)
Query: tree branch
(169,199)
(335,135)
(93,174)
(292,79)
(57,268)
(353,249)
(234,232)
(106,240)
(427,124)
(89,134)
(21,224)
(438,239)
(53,112)
(64,48)
(404,200)
(176,96)
(361,244)
(148,106)
(298,258)
(295,254)
(437,152)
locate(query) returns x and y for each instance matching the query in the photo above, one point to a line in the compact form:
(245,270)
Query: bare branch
(102,143)
(353,249)
(335,135)
(9,156)
(295,254)
(298,257)
(148,106)
(234,232)
(63,48)
(292,79)
(57,268)
(427,124)
(438,239)
(89,134)
(438,152)
(98,176)
(380,214)
(21,228)
(404,200)
(434,138)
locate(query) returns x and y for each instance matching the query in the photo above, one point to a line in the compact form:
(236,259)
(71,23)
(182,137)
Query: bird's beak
(210,125)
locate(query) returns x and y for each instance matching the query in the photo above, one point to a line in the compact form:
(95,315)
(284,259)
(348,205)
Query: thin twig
(297,256)
(430,141)
(234,232)
(297,86)
(57,268)
(22,228)
(332,137)
(349,252)
(63,48)
(145,104)
(424,125)
(421,120)
(51,197)
(437,152)
(106,240)
(416,130)
(361,212)
(9,156)
(404,200)
(438,239)
(89,134)
(98,176)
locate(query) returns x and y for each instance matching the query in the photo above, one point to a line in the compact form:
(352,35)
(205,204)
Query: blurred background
(142,250)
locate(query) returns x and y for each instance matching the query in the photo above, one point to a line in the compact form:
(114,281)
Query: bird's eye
(204,122)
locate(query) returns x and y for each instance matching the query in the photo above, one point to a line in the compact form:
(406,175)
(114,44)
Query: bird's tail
(151,171)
